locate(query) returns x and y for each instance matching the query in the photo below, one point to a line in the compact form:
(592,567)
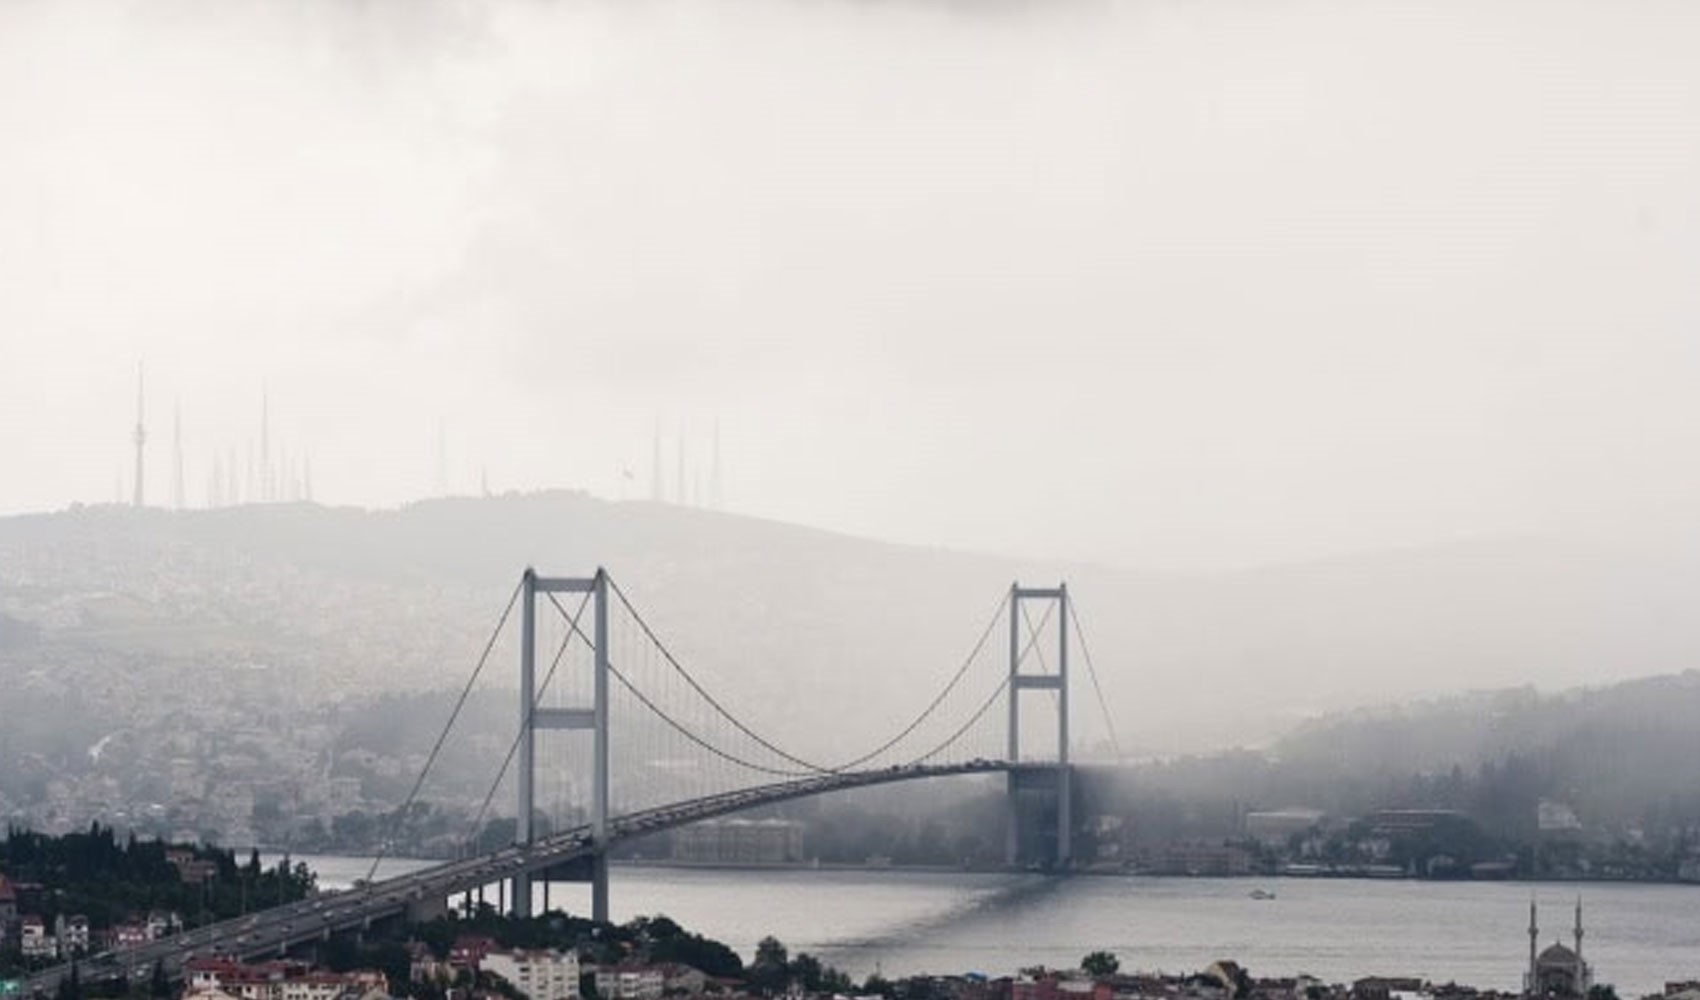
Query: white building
(540,975)
(34,941)
(163,922)
(313,986)
(630,982)
(73,933)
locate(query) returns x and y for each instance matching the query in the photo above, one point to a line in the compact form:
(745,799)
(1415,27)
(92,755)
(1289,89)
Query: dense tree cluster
(112,880)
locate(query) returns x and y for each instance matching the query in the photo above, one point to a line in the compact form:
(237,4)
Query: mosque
(1558,971)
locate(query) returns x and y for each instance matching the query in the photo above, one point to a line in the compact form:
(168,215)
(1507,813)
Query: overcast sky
(1177,284)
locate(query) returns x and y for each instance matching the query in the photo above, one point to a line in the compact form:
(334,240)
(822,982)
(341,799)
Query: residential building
(469,950)
(73,934)
(680,979)
(540,975)
(161,923)
(630,982)
(33,939)
(281,980)
(128,936)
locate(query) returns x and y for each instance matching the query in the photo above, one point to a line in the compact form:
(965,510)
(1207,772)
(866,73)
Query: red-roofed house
(469,951)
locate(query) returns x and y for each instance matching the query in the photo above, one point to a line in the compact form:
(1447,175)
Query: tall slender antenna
(715,499)
(177,454)
(141,436)
(679,475)
(657,490)
(266,492)
(442,458)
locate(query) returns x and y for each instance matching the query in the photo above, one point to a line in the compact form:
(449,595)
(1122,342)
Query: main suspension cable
(537,699)
(442,737)
(679,727)
(1092,671)
(984,708)
(962,671)
(737,723)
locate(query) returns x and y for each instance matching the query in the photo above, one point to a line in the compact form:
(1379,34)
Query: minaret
(1530,982)
(177,455)
(141,436)
(1582,983)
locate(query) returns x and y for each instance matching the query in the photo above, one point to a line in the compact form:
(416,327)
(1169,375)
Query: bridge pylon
(534,718)
(1058,683)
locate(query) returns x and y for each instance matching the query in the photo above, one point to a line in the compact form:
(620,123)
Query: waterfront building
(1276,826)
(1187,857)
(740,842)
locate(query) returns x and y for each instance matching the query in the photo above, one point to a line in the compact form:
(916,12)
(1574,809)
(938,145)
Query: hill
(221,626)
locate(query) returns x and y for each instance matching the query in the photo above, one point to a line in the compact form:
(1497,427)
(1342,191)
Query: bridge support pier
(594,718)
(1057,683)
(426,909)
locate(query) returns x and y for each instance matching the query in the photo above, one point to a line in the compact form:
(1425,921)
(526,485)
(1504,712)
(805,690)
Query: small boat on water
(1261,894)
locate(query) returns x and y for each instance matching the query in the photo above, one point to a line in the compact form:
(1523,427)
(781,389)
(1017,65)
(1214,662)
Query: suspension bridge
(645,747)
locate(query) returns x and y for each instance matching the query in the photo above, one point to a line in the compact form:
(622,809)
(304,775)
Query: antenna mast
(141,436)
(177,455)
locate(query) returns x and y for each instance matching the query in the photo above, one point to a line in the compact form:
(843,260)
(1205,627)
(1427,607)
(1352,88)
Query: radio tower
(141,435)
(657,491)
(177,456)
(714,498)
(265,448)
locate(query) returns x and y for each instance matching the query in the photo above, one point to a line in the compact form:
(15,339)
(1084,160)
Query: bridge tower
(534,718)
(1058,683)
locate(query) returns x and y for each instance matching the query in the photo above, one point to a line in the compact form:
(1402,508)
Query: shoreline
(664,864)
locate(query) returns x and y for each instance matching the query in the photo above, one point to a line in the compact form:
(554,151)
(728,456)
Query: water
(899,923)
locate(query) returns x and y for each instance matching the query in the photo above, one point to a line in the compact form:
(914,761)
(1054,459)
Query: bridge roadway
(274,931)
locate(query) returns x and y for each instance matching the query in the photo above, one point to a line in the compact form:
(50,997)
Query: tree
(70,986)
(772,966)
(159,985)
(1100,963)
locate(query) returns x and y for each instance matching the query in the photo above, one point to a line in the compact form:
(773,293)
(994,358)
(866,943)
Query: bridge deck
(274,930)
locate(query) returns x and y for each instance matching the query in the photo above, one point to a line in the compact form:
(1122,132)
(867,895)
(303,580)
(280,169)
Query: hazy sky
(1182,283)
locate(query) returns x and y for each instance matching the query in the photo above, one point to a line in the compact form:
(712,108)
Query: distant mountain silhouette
(830,640)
